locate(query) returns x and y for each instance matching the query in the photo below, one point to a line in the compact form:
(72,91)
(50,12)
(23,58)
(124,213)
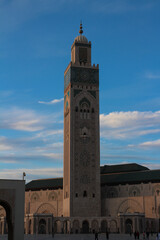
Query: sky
(35,48)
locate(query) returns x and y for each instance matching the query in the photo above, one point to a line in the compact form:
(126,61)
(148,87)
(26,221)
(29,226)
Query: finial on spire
(81,28)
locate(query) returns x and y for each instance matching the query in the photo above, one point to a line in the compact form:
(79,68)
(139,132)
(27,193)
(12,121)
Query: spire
(81,28)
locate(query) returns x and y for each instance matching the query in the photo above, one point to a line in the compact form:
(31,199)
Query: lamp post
(24,175)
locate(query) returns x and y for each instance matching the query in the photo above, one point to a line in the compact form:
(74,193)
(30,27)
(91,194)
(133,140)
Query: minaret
(81,180)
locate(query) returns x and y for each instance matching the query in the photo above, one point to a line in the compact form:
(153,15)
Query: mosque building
(118,198)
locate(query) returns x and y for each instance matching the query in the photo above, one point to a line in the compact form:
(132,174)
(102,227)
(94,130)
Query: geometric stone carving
(112,193)
(156,190)
(80,75)
(75,226)
(84,179)
(130,204)
(134,191)
(113,226)
(34,197)
(84,159)
(46,208)
(95,226)
(52,196)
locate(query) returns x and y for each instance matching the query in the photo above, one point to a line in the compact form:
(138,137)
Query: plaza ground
(80,237)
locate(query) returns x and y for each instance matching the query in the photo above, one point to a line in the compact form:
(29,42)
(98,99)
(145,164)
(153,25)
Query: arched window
(85,108)
(85,194)
(112,193)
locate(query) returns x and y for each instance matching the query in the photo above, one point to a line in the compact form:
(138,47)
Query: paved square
(80,237)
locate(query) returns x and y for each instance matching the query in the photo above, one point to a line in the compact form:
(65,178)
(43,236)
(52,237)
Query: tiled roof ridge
(42,179)
(118,173)
(122,164)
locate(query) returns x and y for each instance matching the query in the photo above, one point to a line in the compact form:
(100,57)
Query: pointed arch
(130,204)
(46,208)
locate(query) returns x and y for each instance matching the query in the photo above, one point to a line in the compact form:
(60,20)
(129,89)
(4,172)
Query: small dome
(81,38)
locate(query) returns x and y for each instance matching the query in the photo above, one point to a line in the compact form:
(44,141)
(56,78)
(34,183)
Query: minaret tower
(81,180)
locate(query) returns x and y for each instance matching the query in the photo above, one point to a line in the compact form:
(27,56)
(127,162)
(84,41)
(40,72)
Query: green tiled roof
(51,183)
(131,178)
(110,175)
(132,167)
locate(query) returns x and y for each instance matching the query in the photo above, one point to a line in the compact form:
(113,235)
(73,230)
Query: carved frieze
(81,75)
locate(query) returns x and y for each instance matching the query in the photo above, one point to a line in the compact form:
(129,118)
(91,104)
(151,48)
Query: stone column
(138,227)
(99,223)
(62,227)
(119,224)
(47,225)
(37,223)
(80,225)
(123,224)
(32,225)
(90,225)
(3,226)
(133,221)
(136,223)
(71,226)
(109,226)
(26,224)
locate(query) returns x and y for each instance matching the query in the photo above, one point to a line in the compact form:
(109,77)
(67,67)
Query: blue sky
(35,43)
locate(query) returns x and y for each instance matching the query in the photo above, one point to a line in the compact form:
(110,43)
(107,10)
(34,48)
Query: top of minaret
(81,38)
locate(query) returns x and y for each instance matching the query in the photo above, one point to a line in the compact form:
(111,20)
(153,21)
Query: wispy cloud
(14,13)
(48,133)
(152,165)
(19,119)
(53,155)
(4,147)
(40,141)
(126,158)
(54,101)
(151,75)
(118,7)
(123,125)
(6,94)
(31,173)
(151,144)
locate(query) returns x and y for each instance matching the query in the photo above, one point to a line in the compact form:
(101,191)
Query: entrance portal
(12,200)
(85,227)
(9,229)
(128,226)
(103,226)
(42,227)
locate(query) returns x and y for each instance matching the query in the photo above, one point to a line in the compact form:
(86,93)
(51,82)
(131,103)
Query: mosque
(120,198)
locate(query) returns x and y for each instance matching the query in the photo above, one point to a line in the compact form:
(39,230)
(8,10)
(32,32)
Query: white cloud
(151,144)
(31,173)
(152,165)
(54,101)
(20,119)
(49,133)
(126,157)
(8,161)
(121,125)
(5,147)
(54,156)
(151,75)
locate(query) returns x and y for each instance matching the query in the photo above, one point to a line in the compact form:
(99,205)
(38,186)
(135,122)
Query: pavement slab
(80,237)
